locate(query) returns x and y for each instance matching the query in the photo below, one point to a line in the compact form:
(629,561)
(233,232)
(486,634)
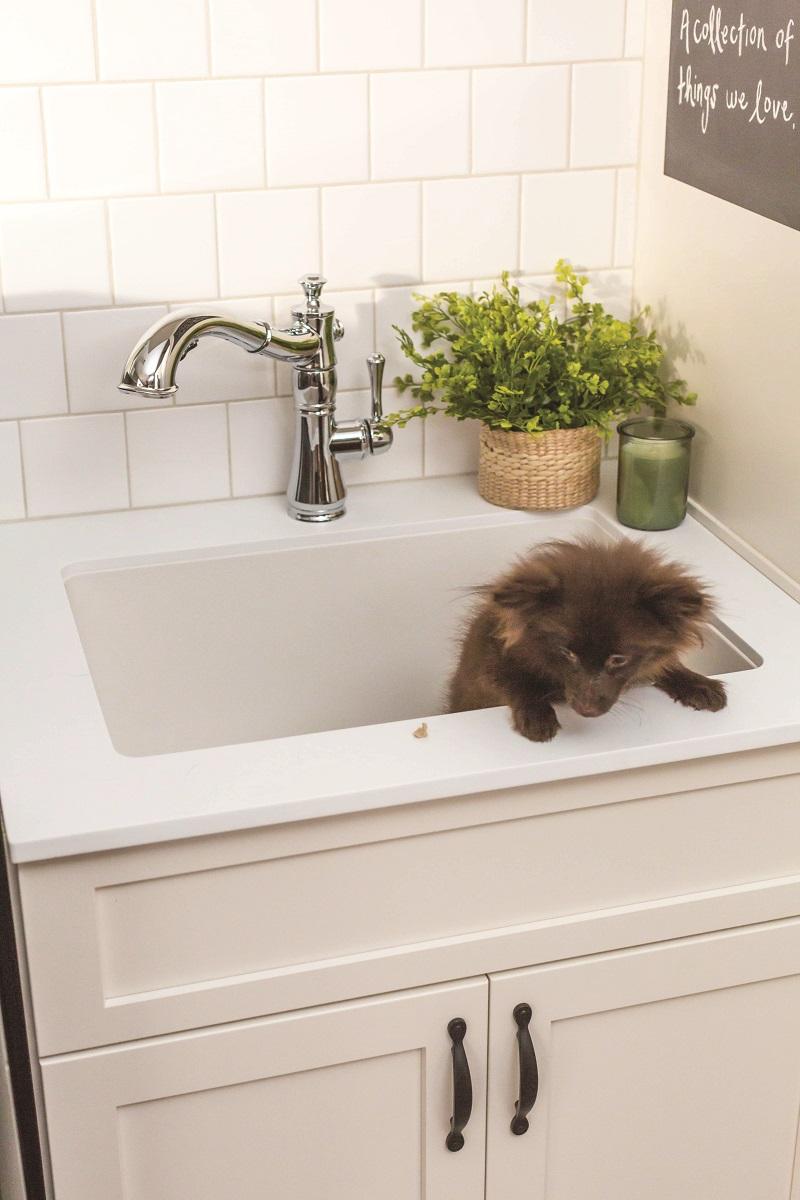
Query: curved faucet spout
(153,362)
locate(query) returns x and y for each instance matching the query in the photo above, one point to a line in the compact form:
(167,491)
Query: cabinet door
(345,1102)
(670,1071)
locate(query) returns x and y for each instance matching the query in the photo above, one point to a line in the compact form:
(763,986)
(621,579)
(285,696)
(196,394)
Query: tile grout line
(156,139)
(127,459)
(112,287)
(174,305)
(217,248)
(570,113)
(95,40)
(421,221)
(229,448)
(520,221)
(288,187)
(63,336)
(125,80)
(615,239)
(471,123)
(45,155)
(207,26)
(264,134)
(23,479)
(369,125)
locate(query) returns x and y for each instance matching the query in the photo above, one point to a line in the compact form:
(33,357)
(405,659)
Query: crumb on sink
(422,730)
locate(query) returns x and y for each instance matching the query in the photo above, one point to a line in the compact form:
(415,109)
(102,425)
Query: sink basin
(328,631)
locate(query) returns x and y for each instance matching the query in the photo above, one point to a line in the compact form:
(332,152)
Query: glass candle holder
(653,472)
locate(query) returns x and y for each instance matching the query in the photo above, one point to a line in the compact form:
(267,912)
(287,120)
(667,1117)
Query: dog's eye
(568,654)
(617,661)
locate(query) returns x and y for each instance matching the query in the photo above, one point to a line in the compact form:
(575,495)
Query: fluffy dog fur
(582,622)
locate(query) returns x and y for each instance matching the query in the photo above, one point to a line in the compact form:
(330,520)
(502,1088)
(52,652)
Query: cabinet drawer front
(665,1071)
(144,942)
(353,1100)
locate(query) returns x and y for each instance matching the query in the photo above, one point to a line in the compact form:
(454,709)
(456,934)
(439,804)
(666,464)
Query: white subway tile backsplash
(231,146)
(22,175)
(371,234)
(263,37)
(606,101)
(451,447)
(97,344)
(210,134)
(48,40)
(163,248)
(568,214)
(403,461)
(217,369)
(267,240)
(614,290)
(262,437)
(54,255)
(151,39)
(575,30)
(420,124)
(625,231)
(468,33)
(470,226)
(178,454)
(100,139)
(31,366)
(635,28)
(74,464)
(12,495)
(520,119)
(331,112)
(369,35)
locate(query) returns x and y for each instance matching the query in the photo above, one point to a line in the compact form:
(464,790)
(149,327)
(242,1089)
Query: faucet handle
(380,436)
(312,285)
(375,364)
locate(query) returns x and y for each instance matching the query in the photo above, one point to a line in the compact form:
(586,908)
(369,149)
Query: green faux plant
(521,367)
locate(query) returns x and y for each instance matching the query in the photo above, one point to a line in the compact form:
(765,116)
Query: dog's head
(597,618)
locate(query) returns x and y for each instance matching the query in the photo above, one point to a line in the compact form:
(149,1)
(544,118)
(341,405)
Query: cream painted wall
(724,285)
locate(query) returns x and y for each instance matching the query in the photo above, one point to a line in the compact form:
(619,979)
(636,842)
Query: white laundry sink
(326,632)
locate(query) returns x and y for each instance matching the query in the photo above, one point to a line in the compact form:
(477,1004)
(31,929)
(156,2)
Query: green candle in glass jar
(653,472)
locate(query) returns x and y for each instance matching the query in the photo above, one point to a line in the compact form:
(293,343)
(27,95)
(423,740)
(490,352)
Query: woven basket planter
(557,469)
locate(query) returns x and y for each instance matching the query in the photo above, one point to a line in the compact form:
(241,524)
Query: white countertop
(65,790)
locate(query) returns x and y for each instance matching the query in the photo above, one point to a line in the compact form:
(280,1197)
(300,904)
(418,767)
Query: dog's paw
(704,695)
(536,724)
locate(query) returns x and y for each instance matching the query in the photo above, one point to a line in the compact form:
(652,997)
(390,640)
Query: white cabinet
(671,1072)
(201,1034)
(345,1103)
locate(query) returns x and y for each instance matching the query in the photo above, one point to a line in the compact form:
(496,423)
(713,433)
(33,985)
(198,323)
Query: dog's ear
(524,595)
(675,603)
(529,592)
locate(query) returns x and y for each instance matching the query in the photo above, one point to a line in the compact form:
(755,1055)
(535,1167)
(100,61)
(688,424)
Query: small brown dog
(581,622)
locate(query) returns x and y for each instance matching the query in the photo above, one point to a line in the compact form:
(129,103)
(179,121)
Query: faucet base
(316,516)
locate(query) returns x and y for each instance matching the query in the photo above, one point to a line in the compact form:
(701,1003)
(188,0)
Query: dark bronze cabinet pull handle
(528,1070)
(462,1086)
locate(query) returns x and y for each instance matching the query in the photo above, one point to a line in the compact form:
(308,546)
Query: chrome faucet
(316,491)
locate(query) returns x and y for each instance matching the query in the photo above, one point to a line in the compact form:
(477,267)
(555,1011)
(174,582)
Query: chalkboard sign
(733,118)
